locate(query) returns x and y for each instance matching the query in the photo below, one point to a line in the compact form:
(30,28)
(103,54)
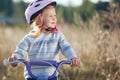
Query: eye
(50,16)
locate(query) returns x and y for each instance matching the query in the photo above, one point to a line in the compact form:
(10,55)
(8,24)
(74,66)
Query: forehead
(49,10)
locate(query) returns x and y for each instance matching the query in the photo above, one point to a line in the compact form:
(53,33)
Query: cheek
(46,21)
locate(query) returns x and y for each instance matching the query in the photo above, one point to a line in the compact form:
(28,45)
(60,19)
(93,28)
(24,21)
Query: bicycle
(30,63)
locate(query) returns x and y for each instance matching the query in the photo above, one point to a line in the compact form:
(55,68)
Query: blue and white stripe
(46,46)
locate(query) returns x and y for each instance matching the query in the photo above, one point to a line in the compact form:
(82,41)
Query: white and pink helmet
(35,7)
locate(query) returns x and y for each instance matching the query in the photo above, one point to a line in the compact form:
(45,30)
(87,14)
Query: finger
(76,62)
(14,64)
(73,62)
(10,59)
(15,57)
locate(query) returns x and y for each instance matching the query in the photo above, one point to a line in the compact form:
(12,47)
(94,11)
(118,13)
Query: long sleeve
(22,48)
(66,48)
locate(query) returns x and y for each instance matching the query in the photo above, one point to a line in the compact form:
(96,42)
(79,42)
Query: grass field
(98,50)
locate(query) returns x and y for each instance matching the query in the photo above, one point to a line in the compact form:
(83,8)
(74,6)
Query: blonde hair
(37,25)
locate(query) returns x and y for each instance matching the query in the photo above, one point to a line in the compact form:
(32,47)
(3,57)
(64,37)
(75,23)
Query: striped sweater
(44,47)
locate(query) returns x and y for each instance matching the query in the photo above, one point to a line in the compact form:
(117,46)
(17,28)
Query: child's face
(49,18)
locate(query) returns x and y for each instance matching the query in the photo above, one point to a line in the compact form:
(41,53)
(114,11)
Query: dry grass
(9,38)
(97,49)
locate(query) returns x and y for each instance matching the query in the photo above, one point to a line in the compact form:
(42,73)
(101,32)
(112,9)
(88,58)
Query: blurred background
(91,26)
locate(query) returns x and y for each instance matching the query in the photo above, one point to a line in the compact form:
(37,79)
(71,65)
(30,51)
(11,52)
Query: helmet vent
(31,4)
(39,0)
(37,5)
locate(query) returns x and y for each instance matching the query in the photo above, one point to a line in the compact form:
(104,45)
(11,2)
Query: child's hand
(12,59)
(75,62)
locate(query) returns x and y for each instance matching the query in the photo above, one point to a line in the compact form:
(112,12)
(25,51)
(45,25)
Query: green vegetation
(86,10)
(6,6)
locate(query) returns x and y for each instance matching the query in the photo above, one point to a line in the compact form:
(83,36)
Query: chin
(52,27)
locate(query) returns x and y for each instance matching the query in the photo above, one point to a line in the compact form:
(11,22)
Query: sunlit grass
(97,49)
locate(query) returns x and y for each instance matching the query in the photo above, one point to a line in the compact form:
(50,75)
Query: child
(44,40)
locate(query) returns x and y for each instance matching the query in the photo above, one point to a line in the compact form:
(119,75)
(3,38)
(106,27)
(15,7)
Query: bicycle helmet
(36,7)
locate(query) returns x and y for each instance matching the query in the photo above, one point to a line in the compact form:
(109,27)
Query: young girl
(44,40)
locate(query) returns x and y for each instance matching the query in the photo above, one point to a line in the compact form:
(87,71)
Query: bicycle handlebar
(29,63)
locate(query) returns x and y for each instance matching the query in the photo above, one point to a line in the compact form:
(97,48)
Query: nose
(54,18)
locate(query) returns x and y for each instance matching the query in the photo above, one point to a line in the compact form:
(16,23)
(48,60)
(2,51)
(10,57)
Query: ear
(41,17)
(39,20)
